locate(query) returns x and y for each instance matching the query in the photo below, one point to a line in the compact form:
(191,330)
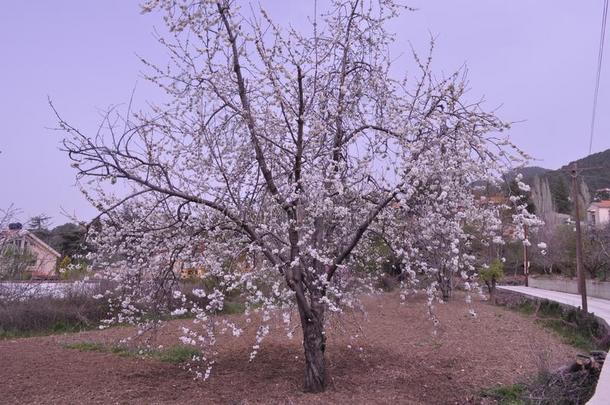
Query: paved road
(597,306)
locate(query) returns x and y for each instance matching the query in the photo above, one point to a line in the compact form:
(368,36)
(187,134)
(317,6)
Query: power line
(600,57)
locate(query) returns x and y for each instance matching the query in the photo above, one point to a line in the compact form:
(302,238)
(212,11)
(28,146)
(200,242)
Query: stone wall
(598,289)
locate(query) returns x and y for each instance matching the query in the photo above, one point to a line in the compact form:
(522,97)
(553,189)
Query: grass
(100,348)
(569,334)
(175,354)
(506,394)
(546,309)
(574,329)
(87,347)
(525,308)
(550,309)
(233,307)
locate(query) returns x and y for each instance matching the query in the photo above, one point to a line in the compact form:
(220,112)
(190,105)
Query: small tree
(68,239)
(16,260)
(491,275)
(282,152)
(39,226)
(16,263)
(596,257)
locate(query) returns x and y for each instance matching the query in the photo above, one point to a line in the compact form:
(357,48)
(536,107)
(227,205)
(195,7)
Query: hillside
(559,181)
(531,171)
(528,173)
(599,175)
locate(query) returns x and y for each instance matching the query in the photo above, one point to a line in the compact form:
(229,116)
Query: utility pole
(582,284)
(526,263)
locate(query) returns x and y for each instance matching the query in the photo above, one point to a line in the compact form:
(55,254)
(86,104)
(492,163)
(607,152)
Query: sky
(534,59)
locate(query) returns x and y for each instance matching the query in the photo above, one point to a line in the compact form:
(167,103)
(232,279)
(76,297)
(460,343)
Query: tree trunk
(492,291)
(445,286)
(314,343)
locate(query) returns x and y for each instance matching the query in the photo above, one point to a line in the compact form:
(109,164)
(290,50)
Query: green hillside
(560,181)
(599,176)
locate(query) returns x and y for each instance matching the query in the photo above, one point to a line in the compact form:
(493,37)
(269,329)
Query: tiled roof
(602,204)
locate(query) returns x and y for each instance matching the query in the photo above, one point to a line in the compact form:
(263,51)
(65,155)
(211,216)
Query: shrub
(16,264)
(491,275)
(46,315)
(526,308)
(550,309)
(69,269)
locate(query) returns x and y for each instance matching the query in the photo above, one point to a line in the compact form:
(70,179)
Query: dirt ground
(395,359)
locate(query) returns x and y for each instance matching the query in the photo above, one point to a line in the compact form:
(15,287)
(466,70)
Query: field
(396,358)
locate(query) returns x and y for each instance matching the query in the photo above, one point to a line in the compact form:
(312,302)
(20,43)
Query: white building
(598,213)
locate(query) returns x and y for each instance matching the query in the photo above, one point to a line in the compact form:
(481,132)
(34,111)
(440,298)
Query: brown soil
(401,361)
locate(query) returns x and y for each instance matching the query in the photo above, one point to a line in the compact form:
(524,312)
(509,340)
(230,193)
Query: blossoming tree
(276,158)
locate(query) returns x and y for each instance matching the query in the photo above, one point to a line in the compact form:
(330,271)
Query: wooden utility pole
(582,284)
(526,263)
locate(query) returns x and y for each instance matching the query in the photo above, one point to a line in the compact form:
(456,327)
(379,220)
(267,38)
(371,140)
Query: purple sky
(535,58)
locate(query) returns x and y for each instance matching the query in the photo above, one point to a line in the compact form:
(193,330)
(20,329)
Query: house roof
(600,204)
(44,245)
(30,235)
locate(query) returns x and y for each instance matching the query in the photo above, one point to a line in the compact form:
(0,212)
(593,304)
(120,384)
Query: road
(597,306)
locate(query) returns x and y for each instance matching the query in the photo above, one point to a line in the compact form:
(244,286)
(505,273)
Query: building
(598,213)
(39,260)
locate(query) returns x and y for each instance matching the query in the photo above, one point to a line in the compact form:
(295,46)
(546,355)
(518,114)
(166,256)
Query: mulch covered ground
(395,359)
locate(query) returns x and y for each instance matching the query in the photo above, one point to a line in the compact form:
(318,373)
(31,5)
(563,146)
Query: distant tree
(6,216)
(39,226)
(596,252)
(39,222)
(68,239)
(560,257)
(561,194)
(602,194)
